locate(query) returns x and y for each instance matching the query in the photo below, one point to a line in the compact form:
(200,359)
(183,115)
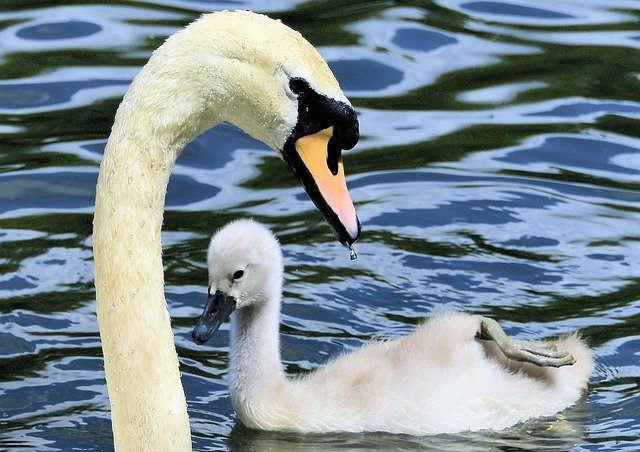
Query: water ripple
(498,173)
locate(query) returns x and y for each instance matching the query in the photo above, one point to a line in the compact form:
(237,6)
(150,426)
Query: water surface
(498,172)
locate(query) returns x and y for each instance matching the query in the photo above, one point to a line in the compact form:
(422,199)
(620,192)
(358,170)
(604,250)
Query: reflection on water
(59,30)
(498,172)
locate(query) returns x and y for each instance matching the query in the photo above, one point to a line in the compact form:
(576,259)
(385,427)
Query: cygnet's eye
(298,85)
(238,274)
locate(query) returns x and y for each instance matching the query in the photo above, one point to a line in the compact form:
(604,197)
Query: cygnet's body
(440,379)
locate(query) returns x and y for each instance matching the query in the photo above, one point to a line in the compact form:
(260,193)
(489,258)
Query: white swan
(441,379)
(238,67)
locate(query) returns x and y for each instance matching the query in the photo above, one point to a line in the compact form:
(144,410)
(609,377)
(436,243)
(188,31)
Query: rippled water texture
(498,172)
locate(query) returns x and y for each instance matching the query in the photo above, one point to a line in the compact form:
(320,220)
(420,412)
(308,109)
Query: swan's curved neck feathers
(154,122)
(140,357)
(227,66)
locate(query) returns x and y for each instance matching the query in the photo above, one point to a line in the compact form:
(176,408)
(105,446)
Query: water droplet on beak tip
(352,253)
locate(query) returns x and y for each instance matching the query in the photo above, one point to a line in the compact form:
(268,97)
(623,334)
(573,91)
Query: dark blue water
(498,172)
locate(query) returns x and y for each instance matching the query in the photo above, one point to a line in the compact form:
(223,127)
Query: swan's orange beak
(318,164)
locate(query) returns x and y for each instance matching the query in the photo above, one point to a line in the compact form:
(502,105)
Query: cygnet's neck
(255,367)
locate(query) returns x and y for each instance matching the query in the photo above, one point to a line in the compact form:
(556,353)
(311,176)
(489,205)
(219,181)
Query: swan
(448,376)
(238,67)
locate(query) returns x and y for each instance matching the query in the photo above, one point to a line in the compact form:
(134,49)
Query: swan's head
(245,271)
(265,78)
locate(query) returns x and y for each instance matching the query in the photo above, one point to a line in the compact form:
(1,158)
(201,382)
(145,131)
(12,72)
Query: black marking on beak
(315,113)
(334,154)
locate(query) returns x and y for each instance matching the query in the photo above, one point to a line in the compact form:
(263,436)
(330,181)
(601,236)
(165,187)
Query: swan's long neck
(147,400)
(255,367)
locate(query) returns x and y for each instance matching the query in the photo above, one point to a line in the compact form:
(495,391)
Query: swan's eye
(298,85)
(238,274)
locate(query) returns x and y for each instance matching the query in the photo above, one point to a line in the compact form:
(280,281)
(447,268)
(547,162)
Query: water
(498,172)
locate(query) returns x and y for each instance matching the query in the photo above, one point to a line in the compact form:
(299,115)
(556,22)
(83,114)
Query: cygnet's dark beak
(218,308)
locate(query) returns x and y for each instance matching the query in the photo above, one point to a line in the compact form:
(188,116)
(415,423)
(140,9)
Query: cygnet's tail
(577,374)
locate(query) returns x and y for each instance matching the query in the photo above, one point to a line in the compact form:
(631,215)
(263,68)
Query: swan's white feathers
(287,48)
(440,379)
(240,60)
(224,67)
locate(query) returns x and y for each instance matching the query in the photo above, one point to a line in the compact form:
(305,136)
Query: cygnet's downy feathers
(442,378)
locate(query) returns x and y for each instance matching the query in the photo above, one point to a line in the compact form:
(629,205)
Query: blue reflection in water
(51,394)
(72,190)
(461,282)
(26,319)
(482,211)
(510,9)
(509,271)
(14,345)
(421,40)
(606,257)
(365,75)
(530,241)
(28,95)
(214,149)
(575,153)
(585,108)
(59,30)
(16,283)
(587,191)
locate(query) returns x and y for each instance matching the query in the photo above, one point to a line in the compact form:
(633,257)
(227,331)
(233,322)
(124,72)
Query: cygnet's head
(245,269)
